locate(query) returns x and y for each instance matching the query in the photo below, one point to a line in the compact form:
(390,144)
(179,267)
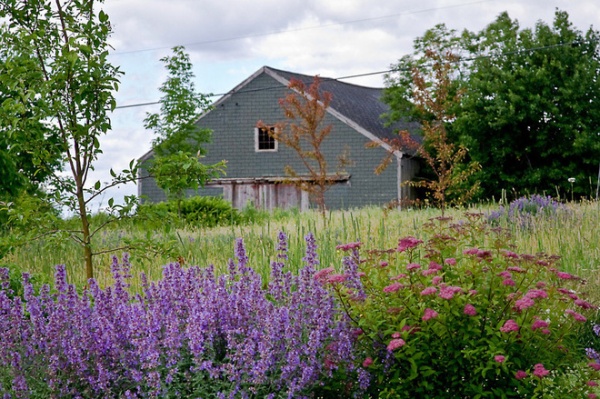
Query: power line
(468,59)
(278,32)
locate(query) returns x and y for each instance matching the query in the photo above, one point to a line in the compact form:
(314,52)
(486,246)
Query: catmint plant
(459,313)
(190,334)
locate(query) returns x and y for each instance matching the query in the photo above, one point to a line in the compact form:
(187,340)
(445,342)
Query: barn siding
(233,122)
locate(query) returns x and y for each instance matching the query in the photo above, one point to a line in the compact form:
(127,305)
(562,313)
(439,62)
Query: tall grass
(573,235)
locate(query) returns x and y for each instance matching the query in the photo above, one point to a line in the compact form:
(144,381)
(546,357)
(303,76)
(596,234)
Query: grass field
(571,234)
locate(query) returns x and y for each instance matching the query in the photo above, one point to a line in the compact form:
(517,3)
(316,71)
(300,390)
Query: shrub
(522,210)
(191,334)
(461,315)
(194,211)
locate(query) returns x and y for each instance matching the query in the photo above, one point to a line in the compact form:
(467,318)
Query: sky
(229,40)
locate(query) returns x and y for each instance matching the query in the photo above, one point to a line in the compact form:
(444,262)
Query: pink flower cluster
(348,247)
(429,314)
(577,316)
(470,310)
(407,243)
(393,287)
(540,324)
(540,371)
(509,326)
(448,292)
(395,344)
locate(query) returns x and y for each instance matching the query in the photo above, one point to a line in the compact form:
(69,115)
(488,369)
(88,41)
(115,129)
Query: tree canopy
(530,106)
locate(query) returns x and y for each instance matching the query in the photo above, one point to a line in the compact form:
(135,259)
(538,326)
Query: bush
(192,334)
(522,210)
(195,211)
(460,315)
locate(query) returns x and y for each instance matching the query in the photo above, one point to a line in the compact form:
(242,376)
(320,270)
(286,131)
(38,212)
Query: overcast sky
(229,40)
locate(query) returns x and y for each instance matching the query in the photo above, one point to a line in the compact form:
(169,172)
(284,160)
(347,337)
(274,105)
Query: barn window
(263,139)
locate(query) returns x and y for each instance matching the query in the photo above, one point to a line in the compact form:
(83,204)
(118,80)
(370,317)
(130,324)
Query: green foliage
(527,112)
(56,69)
(461,315)
(528,115)
(178,148)
(193,212)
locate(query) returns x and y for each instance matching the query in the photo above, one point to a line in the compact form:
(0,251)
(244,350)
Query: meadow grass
(573,235)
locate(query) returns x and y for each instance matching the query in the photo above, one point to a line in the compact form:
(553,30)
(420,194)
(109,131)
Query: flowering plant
(461,315)
(191,334)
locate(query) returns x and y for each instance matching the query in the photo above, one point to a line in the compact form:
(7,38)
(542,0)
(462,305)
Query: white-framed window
(264,140)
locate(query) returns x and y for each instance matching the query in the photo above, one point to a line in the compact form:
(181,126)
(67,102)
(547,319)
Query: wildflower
(367,362)
(429,272)
(520,374)
(393,287)
(509,326)
(508,282)
(499,358)
(428,291)
(565,276)
(349,246)
(449,291)
(540,371)
(470,310)
(537,324)
(398,277)
(524,303)
(577,316)
(411,329)
(407,243)
(510,254)
(396,335)
(429,314)
(383,264)
(435,266)
(505,274)
(472,292)
(395,344)
(450,261)
(594,365)
(336,278)
(516,269)
(413,266)
(592,396)
(592,383)
(323,273)
(436,280)
(583,304)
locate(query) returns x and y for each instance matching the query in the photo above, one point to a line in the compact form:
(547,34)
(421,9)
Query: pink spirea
(429,314)
(592,383)
(470,251)
(449,291)
(524,303)
(395,344)
(577,316)
(393,287)
(322,274)
(436,280)
(407,243)
(450,261)
(594,365)
(540,371)
(349,246)
(510,254)
(429,272)
(539,324)
(399,277)
(469,310)
(583,304)
(383,263)
(533,294)
(429,291)
(499,358)
(565,276)
(509,326)
(508,282)
(336,278)
(435,266)
(516,269)
(396,335)
(519,375)
(367,362)
(413,266)
(505,274)
(592,396)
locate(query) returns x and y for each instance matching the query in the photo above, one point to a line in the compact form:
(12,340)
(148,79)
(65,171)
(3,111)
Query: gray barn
(255,167)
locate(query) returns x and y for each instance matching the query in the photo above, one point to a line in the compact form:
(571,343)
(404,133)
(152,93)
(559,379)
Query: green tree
(531,109)
(55,63)
(178,149)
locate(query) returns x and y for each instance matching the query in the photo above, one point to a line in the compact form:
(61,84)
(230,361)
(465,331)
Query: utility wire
(468,59)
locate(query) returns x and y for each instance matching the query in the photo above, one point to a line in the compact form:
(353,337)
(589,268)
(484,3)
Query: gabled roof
(358,106)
